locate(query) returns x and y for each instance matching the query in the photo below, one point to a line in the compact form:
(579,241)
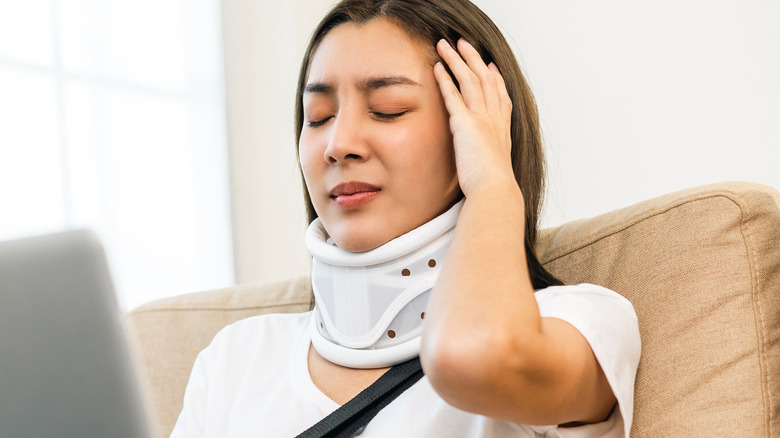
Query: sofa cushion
(702,268)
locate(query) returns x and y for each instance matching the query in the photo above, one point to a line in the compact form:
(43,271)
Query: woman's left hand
(480,116)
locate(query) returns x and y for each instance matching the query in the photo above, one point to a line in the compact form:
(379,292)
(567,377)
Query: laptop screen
(65,366)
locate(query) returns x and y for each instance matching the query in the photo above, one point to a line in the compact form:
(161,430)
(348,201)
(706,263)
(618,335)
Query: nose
(347,142)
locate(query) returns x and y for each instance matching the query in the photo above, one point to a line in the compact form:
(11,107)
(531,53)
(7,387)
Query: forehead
(377,47)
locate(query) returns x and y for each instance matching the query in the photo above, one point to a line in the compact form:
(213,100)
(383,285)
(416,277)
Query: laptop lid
(65,364)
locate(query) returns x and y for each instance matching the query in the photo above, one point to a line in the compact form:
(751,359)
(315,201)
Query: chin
(356,245)
(355,241)
(355,234)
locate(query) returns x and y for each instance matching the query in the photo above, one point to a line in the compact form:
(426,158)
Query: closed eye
(316,123)
(385,116)
(377,114)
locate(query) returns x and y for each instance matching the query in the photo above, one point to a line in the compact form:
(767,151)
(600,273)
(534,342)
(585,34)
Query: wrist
(500,186)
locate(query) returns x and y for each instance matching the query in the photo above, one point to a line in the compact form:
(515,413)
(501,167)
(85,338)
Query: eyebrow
(364,85)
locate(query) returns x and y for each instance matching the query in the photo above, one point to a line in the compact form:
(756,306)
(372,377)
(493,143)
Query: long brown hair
(429,21)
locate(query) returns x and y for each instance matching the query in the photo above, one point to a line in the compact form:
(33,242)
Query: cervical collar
(369,307)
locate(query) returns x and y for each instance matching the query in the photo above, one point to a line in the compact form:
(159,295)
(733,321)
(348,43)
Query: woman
(412,117)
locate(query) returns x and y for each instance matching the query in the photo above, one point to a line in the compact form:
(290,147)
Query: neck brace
(369,307)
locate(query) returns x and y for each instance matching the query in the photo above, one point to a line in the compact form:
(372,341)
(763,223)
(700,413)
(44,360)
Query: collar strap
(369,307)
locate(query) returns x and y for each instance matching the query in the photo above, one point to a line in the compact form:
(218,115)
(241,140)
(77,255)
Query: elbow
(463,368)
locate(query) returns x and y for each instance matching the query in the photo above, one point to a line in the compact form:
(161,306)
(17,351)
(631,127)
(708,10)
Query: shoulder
(248,334)
(585,291)
(252,352)
(271,321)
(585,300)
(605,318)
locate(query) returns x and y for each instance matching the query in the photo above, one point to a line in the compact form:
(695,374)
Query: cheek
(439,159)
(307,157)
(431,134)
(426,157)
(437,149)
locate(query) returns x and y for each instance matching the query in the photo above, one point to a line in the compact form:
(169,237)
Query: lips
(353,194)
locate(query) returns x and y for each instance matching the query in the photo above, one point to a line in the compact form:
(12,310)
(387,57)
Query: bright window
(112,118)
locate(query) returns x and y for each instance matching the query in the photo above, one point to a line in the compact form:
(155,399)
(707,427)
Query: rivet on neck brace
(370,307)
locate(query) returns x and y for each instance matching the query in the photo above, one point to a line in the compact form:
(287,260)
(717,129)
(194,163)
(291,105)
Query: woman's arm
(486,348)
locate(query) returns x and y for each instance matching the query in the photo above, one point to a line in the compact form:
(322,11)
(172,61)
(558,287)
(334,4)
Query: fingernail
(493,67)
(444,42)
(465,42)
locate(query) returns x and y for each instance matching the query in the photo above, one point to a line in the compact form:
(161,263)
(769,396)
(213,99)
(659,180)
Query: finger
(504,100)
(470,85)
(453,100)
(487,78)
(473,59)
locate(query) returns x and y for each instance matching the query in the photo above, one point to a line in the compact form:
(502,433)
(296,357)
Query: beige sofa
(701,266)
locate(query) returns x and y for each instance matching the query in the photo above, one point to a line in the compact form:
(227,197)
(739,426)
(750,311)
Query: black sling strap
(350,419)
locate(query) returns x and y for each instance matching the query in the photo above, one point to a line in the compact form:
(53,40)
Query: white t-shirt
(253,380)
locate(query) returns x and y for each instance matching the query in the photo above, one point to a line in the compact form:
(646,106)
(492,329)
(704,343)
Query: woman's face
(376,147)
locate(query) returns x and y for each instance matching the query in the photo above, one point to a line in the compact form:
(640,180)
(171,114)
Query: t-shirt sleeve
(609,324)
(190,421)
(211,382)
(200,393)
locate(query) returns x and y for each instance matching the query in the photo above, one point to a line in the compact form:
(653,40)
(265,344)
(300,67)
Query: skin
(485,348)
(376,117)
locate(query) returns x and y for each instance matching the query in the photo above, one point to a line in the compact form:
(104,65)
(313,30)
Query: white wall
(264,42)
(637,99)
(642,98)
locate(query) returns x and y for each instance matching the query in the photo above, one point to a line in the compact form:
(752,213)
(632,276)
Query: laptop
(66,369)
